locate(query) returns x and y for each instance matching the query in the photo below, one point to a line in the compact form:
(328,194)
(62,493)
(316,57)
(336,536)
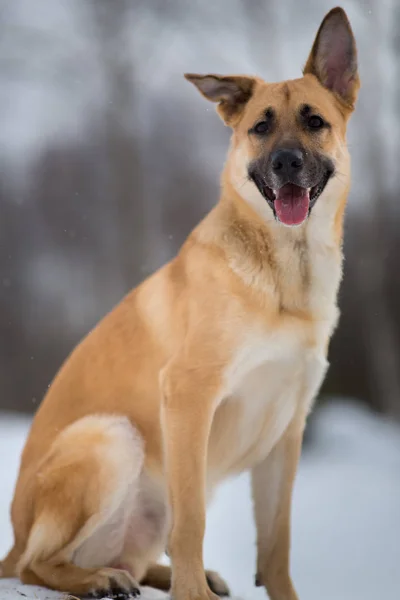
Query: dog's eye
(315,122)
(261,127)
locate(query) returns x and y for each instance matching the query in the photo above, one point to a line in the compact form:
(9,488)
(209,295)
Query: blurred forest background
(108,158)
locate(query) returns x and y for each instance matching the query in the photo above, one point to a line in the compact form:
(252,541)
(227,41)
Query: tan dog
(210,366)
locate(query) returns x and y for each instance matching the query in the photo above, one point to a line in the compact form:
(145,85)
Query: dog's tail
(8,566)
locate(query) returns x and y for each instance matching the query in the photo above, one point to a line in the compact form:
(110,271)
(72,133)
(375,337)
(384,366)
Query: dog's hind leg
(84,494)
(9,564)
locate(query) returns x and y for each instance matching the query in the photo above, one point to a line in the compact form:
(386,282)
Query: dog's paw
(217,584)
(115,584)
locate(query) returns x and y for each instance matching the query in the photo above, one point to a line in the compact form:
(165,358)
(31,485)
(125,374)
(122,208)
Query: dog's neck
(300,267)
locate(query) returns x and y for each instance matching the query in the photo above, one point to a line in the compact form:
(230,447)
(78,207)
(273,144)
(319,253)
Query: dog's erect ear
(231,93)
(333,57)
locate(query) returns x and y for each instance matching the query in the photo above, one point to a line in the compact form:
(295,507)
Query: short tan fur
(209,367)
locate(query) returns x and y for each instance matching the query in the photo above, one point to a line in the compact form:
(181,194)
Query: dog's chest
(277,369)
(269,379)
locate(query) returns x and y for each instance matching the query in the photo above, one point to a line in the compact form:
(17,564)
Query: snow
(346,514)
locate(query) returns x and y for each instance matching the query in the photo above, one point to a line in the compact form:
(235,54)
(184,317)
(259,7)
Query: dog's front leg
(272,484)
(189,401)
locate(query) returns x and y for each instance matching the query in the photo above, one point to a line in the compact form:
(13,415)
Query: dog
(208,368)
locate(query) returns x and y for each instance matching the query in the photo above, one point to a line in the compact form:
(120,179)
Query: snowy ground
(346,514)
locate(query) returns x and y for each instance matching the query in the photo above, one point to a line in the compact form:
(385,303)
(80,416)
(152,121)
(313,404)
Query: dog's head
(289,138)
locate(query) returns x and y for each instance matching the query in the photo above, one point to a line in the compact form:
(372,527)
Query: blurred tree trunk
(380,334)
(122,161)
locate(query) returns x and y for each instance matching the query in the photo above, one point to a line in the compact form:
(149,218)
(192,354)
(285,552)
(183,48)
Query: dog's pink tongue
(291,204)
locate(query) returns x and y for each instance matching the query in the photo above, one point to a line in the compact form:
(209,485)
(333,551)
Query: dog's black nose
(287,161)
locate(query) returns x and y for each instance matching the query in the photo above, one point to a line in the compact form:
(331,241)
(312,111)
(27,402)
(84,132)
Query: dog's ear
(232,93)
(333,57)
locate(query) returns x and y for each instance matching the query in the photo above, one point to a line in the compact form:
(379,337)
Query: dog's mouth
(291,203)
